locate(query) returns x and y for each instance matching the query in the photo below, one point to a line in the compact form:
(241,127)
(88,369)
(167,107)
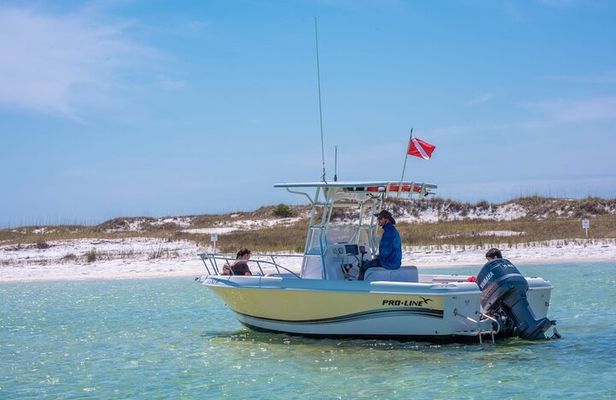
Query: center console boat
(318,294)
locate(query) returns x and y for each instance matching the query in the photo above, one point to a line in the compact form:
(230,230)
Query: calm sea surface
(171,338)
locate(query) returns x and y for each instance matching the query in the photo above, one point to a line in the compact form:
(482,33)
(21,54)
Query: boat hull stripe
(406,312)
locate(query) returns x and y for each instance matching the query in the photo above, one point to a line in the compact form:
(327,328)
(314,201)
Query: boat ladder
(479,332)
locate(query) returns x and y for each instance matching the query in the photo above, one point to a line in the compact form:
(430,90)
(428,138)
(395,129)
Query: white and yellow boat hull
(315,307)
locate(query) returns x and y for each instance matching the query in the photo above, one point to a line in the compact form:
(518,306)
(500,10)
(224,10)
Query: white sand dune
(147,258)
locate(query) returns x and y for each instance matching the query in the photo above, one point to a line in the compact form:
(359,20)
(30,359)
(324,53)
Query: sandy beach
(151,258)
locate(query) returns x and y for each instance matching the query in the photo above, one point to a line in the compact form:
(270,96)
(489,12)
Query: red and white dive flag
(421,149)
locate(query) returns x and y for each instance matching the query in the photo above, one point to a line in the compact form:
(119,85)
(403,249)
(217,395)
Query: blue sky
(169,108)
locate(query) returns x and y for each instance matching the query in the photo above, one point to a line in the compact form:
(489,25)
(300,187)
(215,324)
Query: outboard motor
(503,297)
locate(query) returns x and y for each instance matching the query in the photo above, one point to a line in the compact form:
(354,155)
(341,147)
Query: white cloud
(584,110)
(480,100)
(172,84)
(55,64)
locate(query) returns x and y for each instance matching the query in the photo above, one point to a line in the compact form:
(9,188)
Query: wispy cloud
(56,63)
(584,110)
(480,99)
(171,84)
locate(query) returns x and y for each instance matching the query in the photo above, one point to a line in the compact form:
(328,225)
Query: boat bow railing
(265,267)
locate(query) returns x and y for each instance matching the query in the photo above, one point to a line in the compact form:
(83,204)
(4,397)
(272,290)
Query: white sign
(586,225)
(214,238)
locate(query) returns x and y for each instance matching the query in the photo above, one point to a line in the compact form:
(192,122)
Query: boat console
(340,261)
(343,260)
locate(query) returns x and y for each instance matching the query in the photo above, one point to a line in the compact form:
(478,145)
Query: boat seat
(402,274)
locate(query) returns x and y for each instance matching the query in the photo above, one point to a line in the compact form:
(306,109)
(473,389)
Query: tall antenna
(336,163)
(316,39)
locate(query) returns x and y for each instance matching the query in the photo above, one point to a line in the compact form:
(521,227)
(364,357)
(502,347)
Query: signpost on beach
(586,225)
(214,238)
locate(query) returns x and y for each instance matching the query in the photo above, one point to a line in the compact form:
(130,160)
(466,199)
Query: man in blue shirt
(390,247)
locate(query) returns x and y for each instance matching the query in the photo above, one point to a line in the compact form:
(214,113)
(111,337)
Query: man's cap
(385,214)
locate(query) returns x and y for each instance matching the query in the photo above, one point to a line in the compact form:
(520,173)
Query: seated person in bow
(240,266)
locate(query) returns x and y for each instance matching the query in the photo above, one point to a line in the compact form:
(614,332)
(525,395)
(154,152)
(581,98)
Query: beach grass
(476,233)
(525,230)
(545,220)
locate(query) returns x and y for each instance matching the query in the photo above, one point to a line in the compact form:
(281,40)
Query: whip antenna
(316,39)
(336,164)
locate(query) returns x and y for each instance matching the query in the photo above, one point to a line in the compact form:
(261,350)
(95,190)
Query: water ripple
(171,338)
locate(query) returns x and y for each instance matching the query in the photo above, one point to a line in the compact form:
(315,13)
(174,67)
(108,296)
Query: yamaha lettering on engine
(503,297)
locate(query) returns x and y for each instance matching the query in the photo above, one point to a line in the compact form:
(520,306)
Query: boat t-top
(325,298)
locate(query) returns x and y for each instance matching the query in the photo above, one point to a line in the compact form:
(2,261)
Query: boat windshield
(340,234)
(336,234)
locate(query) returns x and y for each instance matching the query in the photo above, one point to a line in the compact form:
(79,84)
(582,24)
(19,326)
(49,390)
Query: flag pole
(406,156)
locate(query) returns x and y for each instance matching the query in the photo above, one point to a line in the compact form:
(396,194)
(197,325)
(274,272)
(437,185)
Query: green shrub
(158,253)
(283,211)
(91,256)
(70,257)
(42,245)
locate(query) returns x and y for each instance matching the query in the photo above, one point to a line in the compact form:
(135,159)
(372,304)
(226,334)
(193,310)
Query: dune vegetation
(430,222)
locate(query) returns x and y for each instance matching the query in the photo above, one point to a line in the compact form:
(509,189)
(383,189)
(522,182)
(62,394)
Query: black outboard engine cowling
(503,289)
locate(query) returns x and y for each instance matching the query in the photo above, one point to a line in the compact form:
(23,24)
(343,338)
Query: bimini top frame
(365,196)
(357,192)
(392,186)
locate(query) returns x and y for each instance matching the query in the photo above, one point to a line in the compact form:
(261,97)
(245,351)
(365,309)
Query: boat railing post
(203,257)
(275,264)
(215,264)
(278,266)
(211,258)
(259,266)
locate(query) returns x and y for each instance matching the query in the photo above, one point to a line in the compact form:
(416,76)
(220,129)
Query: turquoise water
(171,338)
